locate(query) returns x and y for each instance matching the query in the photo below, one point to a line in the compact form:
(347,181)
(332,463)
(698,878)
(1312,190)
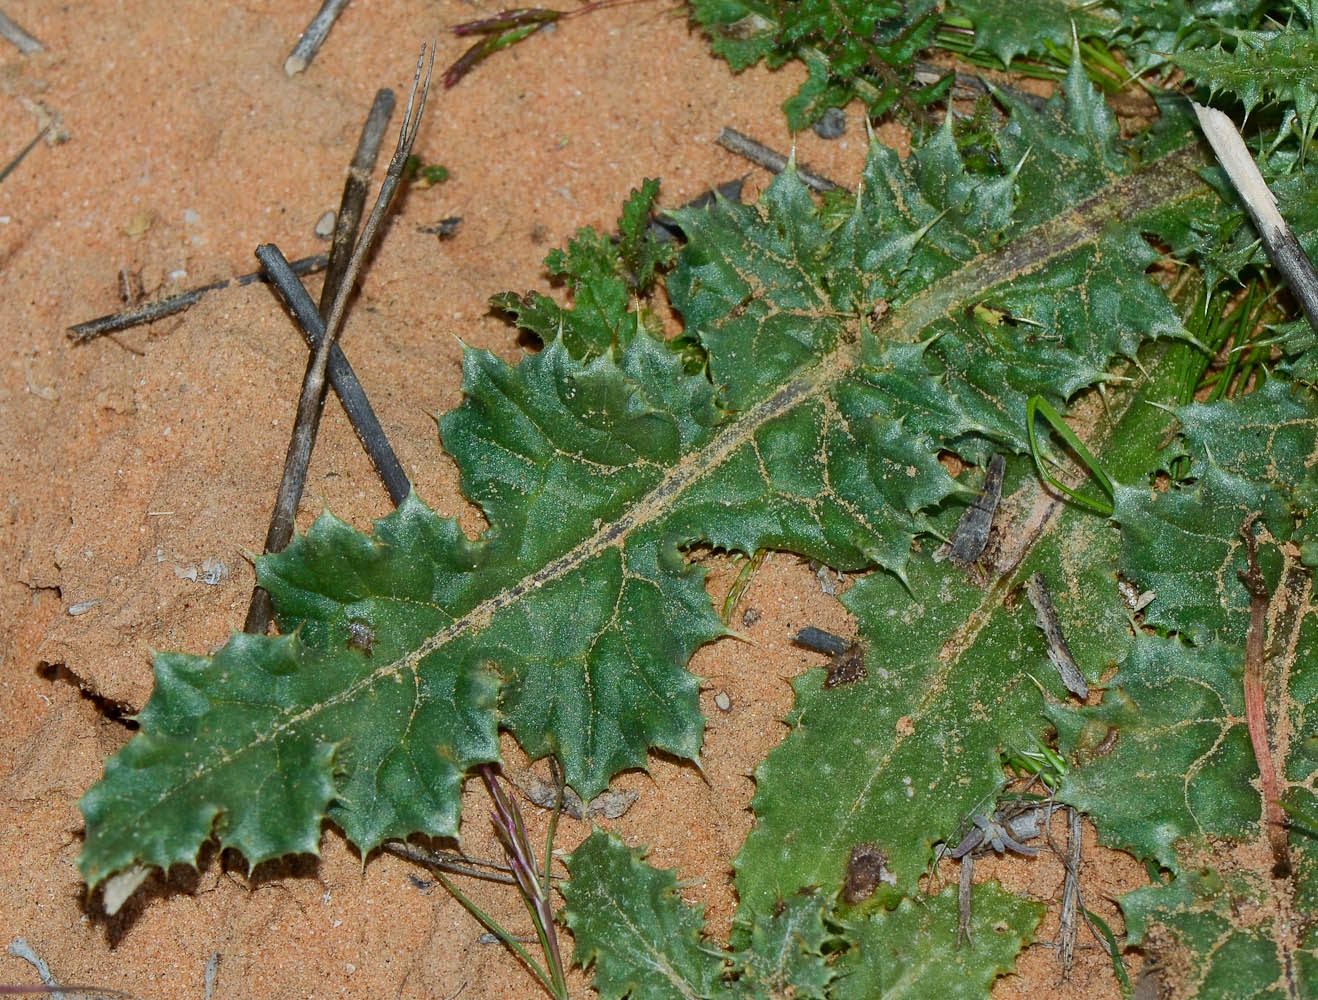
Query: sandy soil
(136,458)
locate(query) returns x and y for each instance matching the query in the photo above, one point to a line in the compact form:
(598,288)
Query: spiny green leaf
(605,279)
(913,951)
(1008,28)
(153,808)
(1184,544)
(1260,67)
(597,464)
(1143,30)
(631,926)
(851,48)
(1229,930)
(643,942)
(906,754)
(641,254)
(1223,937)
(1177,714)
(786,954)
(1181,739)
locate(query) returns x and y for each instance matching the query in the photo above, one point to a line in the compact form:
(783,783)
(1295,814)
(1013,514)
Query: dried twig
(341,376)
(459,864)
(354,195)
(115,322)
(770,159)
(22,153)
(964,888)
(1045,615)
(1282,246)
(1256,717)
(13,33)
(1067,925)
(314,37)
(313,385)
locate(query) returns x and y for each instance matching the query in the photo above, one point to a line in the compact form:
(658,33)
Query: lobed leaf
(1184,544)
(844,351)
(631,926)
(851,48)
(913,951)
(1258,67)
(1229,926)
(643,942)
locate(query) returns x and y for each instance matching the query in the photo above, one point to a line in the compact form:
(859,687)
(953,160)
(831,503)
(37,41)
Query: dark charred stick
(314,37)
(1280,241)
(1068,926)
(102,325)
(354,195)
(771,160)
(1045,615)
(1256,713)
(310,403)
(13,33)
(348,220)
(972,531)
(22,153)
(341,376)
(820,641)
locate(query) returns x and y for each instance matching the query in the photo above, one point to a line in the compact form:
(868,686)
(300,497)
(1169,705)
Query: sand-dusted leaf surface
(845,346)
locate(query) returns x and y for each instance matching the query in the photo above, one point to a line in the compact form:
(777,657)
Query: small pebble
(723,702)
(832,125)
(325,225)
(82,607)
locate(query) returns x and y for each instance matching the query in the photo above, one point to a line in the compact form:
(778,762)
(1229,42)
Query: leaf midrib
(1158,184)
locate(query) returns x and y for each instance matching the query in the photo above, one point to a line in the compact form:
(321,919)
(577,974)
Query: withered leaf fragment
(1058,651)
(972,531)
(867,867)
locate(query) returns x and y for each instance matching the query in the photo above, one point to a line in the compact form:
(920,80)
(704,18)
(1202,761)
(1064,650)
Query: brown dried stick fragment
(1068,926)
(972,531)
(353,199)
(459,864)
(311,401)
(963,899)
(770,159)
(115,322)
(259,608)
(314,37)
(1256,717)
(1058,651)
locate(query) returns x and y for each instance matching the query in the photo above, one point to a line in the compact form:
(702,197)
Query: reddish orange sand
(136,457)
